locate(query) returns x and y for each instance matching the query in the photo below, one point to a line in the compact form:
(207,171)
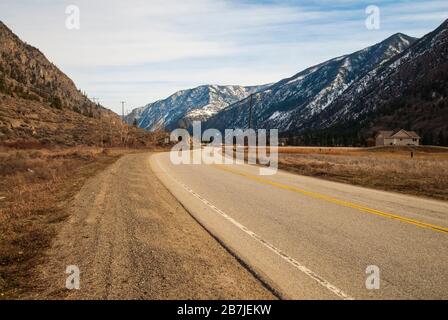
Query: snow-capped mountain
(409,90)
(181,108)
(290,102)
(399,82)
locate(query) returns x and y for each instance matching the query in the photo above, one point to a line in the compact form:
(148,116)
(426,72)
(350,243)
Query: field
(388,168)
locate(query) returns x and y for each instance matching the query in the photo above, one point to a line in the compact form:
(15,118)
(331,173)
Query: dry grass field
(36,185)
(420,171)
(389,168)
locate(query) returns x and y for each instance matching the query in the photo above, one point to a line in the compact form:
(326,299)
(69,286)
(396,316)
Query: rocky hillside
(183,107)
(40,103)
(26,73)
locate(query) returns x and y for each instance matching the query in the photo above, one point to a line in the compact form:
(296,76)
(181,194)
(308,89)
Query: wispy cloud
(141,50)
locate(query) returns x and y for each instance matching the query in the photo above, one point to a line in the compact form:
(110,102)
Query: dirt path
(131,239)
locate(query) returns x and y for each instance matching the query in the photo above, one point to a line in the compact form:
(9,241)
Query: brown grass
(385,168)
(391,169)
(35,188)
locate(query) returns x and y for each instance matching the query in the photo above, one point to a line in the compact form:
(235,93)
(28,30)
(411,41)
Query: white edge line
(324,283)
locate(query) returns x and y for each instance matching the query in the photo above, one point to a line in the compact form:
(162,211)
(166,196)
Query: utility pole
(96,101)
(122,138)
(122,108)
(250,111)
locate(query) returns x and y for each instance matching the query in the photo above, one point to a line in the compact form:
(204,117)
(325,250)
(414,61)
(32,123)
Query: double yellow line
(334,200)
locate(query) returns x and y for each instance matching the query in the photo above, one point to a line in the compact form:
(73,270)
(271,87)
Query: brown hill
(39,103)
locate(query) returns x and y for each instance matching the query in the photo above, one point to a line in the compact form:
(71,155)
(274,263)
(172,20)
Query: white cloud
(142,50)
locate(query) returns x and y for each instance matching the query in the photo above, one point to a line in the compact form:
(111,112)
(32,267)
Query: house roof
(399,133)
(413,134)
(385,134)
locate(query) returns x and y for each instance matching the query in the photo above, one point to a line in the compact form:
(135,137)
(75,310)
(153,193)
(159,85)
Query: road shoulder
(131,239)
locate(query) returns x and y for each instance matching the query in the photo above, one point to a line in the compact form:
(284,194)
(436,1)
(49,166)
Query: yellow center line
(334,200)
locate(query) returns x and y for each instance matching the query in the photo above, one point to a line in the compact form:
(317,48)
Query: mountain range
(409,91)
(298,98)
(399,82)
(183,107)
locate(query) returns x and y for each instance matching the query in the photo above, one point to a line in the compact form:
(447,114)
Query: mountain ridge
(41,104)
(310,91)
(409,91)
(27,73)
(185,106)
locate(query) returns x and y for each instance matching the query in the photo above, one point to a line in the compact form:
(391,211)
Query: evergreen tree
(56,102)
(441,139)
(428,138)
(2,83)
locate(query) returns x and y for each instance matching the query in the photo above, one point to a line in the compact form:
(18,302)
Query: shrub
(56,102)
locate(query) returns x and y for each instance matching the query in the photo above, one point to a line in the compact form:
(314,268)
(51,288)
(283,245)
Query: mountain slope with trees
(410,91)
(40,104)
(295,100)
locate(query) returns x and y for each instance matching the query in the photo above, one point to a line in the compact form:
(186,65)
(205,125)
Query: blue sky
(143,50)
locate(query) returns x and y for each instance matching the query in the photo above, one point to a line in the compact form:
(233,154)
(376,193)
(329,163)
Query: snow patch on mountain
(183,107)
(290,103)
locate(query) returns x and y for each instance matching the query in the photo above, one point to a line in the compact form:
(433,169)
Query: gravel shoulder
(131,239)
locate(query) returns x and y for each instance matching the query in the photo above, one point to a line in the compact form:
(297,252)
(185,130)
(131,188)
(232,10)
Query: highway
(308,238)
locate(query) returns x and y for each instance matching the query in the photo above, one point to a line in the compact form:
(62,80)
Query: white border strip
(324,283)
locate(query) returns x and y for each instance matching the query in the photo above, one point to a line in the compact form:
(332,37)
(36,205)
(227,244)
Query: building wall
(379,141)
(398,142)
(406,142)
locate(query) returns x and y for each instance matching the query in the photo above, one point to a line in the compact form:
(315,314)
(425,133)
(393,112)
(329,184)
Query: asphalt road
(314,239)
